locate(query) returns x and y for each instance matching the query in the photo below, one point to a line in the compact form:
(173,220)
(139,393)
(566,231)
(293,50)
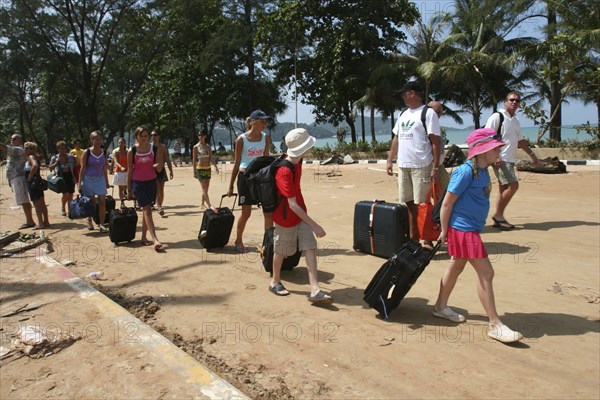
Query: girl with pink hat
(463,215)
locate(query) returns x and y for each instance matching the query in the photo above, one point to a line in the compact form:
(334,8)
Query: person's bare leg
(506,194)
(412,221)
(150,225)
(39,213)
(205,183)
(246,212)
(160,193)
(311,267)
(28,211)
(268,220)
(448,281)
(101,209)
(485,288)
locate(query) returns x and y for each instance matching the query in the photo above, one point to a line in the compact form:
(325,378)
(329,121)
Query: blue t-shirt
(473,204)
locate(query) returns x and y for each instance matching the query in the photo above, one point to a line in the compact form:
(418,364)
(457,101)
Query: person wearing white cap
(249,145)
(464,210)
(294,229)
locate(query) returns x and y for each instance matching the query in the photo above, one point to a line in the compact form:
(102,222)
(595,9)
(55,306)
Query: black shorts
(244,196)
(69,182)
(33,193)
(144,192)
(162,176)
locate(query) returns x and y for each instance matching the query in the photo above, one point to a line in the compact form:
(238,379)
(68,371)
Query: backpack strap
(499,130)
(134,151)
(424,117)
(282,162)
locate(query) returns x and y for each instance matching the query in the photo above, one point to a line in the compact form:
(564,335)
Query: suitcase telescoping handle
(434,250)
(235,195)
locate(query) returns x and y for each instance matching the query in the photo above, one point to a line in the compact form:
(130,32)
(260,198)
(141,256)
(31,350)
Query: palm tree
(482,62)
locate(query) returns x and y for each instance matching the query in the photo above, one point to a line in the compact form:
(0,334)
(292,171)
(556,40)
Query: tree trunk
(373,139)
(555,85)
(362,122)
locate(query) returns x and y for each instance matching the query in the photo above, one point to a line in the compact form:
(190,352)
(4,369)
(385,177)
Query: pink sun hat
(483,140)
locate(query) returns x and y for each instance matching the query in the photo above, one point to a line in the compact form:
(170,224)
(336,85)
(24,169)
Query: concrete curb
(206,381)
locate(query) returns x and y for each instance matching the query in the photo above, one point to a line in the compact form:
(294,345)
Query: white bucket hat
(298,142)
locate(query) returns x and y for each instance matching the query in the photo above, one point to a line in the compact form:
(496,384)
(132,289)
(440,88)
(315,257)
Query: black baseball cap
(412,85)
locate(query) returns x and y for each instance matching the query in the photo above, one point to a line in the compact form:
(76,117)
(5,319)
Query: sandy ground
(216,305)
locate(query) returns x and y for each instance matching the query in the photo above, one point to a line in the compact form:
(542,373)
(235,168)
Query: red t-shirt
(288,187)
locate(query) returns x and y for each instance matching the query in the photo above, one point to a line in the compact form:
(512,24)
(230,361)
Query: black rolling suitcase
(122,224)
(380,228)
(266,253)
(396,276)
(216,226)
(110,205)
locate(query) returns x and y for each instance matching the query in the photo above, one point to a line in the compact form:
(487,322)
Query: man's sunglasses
(514,100)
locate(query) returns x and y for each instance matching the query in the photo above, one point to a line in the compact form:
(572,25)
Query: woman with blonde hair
(32,172)
(143,163)
(202,158)
(249,145)
(93,179)
(63,165)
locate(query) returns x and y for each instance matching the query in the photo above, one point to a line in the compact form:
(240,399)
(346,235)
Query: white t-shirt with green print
(414,147)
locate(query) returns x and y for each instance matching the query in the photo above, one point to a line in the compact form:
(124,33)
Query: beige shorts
(287,240)
(19,188)
(506,174)
(414,184)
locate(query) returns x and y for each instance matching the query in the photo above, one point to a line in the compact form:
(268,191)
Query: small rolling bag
(216,226)
(266,254)
(122,224)
(380,228)
(109,205)
(396,276)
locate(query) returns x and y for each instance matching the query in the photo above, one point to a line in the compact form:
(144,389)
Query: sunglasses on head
(496,136)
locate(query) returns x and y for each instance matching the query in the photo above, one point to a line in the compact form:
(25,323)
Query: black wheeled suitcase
(396,276)
(110,205)
(380,228)
(266,253)
(122,224)
(216,226)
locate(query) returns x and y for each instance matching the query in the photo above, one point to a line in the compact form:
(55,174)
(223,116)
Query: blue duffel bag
(81,207)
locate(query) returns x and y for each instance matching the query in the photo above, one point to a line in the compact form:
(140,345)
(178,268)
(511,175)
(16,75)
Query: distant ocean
(457,136)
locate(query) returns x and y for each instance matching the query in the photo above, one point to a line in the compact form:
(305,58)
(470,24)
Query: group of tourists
(140,174)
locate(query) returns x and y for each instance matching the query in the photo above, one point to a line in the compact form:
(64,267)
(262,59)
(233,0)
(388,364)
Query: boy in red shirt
(293,227)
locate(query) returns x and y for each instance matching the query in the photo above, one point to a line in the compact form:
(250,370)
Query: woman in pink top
(143,161)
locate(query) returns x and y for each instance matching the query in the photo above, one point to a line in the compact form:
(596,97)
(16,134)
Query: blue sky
(573,113)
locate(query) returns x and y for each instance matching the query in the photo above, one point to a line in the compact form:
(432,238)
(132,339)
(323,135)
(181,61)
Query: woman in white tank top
(247,147)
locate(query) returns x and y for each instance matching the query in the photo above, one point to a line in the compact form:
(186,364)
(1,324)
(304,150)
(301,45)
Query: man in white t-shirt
(417,150)
(504,168)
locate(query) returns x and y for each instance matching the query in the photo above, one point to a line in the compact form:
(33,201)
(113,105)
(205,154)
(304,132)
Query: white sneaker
(449,314)
(103,228)
(504,334)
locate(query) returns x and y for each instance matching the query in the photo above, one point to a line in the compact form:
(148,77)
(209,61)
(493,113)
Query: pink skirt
(465,244)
